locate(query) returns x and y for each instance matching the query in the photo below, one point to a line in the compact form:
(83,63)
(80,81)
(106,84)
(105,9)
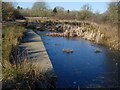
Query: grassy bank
(12,36)
(24,76)
(111,34)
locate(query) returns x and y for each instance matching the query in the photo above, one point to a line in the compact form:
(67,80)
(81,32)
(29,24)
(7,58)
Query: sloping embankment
(37,53)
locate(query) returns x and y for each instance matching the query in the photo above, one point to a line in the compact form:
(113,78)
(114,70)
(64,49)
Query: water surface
(83,67)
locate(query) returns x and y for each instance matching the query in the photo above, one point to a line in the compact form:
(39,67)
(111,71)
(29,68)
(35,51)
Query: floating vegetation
(67,51)
(97,50)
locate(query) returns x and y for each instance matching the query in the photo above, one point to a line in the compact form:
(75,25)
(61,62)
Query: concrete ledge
(37,53)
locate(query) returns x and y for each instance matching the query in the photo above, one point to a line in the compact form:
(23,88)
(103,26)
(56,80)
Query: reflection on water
(83,67)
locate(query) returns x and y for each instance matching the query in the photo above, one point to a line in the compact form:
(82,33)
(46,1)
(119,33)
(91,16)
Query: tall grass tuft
(12,36)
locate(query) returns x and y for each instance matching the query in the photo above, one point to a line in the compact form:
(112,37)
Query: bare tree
(85,12)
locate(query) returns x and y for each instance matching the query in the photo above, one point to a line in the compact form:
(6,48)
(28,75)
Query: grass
(25,76)
(12,36)
(15,76)
(111,33)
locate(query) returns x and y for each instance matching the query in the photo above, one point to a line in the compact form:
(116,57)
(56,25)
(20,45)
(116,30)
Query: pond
(83,67)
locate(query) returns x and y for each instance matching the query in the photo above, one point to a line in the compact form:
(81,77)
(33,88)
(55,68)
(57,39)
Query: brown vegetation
(68,51)
(18,72)
(9,13)
(23,78)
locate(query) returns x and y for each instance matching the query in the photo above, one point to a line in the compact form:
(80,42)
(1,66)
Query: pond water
(83,67)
